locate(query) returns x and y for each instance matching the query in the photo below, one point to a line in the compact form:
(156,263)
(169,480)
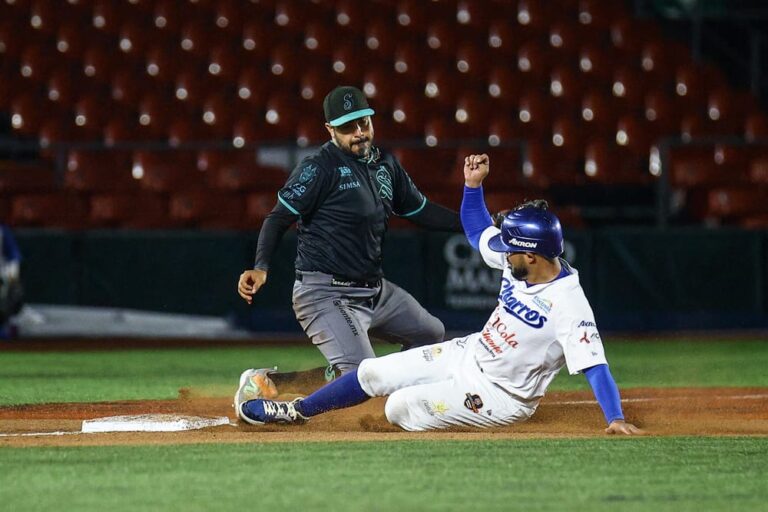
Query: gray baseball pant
(339,319)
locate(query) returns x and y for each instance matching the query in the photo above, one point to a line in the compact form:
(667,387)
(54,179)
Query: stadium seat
(439,131)
(52,209)
(597,64)
(442,38)
(71,40)
(633,134)
(732,202)
(598,113)
(627,89)
(758,167)
(257,207)
(533,62)
(408,113)
(408,62)
(504,130)
(546,165)
(378,87)
(257,38)
(534,112)
(16,177)
(314,84)
(285,63)
(429,168)
(142,210)
(607,163)
(233,170)
(28,112)
(310,132)
(36,61)
(206,209)
(755,127)
(694,166)
(318,40)
(252,87)
(98,171)
(185,129)
(43,16)
(472,63)
(471,114)
(166,171)
(503,86)
(154,113)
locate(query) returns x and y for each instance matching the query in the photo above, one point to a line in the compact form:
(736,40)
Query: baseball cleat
(254,383)
(260,412)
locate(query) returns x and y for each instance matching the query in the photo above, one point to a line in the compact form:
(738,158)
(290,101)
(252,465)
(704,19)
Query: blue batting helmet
(529,229)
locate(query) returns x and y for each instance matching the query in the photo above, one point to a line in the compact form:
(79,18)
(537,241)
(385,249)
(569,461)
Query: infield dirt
(660,412)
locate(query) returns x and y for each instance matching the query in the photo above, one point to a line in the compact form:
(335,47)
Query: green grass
(656,474)
(27,378)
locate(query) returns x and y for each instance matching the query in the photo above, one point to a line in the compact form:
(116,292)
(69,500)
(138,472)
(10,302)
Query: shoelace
(280,409)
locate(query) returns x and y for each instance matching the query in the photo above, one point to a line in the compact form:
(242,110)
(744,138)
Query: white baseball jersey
(535,330)
(497,376)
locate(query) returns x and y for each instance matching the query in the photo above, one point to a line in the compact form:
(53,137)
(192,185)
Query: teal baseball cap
(344,104)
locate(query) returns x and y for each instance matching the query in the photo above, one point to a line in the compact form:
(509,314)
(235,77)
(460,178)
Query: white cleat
(254,384)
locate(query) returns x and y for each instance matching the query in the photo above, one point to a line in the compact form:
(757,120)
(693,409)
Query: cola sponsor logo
(517,309)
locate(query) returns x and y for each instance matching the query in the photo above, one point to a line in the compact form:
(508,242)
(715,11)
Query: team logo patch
(473,402)
(385,183)
(517,309)
(344,171)
(430,353)
(348,101)
(308,173)
(544,304)
(434,408)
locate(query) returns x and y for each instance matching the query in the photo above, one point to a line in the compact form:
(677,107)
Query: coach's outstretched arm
(474,215)
(275,225)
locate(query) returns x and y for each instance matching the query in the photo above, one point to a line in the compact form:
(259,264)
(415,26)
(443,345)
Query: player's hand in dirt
(250,282)
(476,168)
(622,427)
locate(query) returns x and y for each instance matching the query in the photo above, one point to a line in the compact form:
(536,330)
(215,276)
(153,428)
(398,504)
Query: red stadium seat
(22,177)
(257,39)
(43,16)
(504,130)
(440,132)
(730,202)
(166,171)
(565,86)
(285,63)
(408,61)
(309,132)
(36,61)
(319,41)
(185,129)
(504,86)
(597,64)
(56,210)
(281,113)
(755,127)
(532,61)
(598,113)
(694,166)
(239,171)
(99,171)
(107,16)
(440,86)
(545,165)
(218,114)
(292,15)
(627,89)
(534,112)
(472,62)
(429,168)
(314,84)
(257,207)
(193,208)
(143,210)
(154,113)
(442,38)
(99,63)
(378,87)
(607,163)
(252,87)
(408,114)
(633,134)
(71,40)
(471,114)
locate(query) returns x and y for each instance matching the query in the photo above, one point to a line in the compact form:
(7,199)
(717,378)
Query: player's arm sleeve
(437,218)
(606,391)
(275,225)
(474,215)
(305,188)
(11,250)
(577,333)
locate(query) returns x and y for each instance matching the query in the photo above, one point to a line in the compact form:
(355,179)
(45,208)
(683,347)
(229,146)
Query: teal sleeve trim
(291,208)
(417,210)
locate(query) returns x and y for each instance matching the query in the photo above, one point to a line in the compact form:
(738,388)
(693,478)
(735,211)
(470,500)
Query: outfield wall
(636,279)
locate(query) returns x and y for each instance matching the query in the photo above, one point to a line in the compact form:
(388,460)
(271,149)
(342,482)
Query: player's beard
(359,146)
(519,273)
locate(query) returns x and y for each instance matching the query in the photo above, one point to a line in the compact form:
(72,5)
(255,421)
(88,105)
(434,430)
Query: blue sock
(344,391)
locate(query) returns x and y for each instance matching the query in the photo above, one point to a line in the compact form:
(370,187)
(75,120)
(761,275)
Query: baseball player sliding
(493,377)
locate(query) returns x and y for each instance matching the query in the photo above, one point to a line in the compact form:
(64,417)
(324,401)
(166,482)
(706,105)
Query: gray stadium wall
(637,279)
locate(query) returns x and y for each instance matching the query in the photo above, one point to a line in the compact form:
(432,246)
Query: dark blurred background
(142,143)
